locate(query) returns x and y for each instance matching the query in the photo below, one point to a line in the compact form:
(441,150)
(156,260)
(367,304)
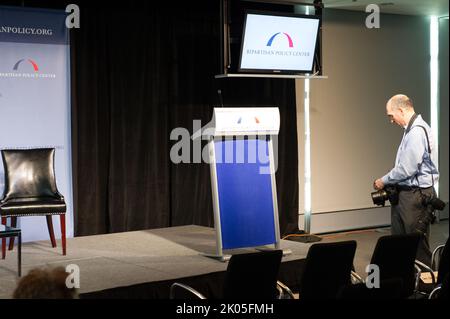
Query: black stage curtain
(139,70)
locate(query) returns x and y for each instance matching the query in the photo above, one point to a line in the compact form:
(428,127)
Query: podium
(242,165)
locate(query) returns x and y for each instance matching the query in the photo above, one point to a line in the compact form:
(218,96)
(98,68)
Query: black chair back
(395,256)
(443,293)
(29,174)
(327,269)
(444,265)
(252,275)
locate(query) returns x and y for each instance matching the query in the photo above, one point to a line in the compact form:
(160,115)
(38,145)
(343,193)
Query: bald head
(401,101)
(400,110)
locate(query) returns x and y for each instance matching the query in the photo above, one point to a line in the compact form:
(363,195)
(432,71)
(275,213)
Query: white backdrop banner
(35,98)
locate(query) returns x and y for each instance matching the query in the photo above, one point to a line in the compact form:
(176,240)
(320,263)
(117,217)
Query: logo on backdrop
(34,64)
(291,43)
(26,31)
(21,67)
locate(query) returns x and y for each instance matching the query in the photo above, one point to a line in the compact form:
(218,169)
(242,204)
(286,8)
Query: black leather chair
(30,190)
(444,263)
(251,276)
(441,291)
(327,270)
(441,262)
(395,256)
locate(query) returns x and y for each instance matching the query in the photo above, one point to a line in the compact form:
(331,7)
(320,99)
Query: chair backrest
(29,173)
(395,256)
(252,275)
(327,269)
(444,265)
(443,293)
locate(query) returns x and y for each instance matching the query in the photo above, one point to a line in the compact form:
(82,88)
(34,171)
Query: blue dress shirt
(413,159)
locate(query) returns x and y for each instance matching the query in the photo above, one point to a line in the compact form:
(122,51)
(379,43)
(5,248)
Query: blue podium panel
(245,194)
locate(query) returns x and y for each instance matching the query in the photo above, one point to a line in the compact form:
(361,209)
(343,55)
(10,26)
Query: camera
(431,203)
(390,193)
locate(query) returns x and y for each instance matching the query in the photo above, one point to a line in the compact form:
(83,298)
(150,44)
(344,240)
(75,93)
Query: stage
(141,264)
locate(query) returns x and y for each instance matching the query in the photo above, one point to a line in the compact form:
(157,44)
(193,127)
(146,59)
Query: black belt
(401,188)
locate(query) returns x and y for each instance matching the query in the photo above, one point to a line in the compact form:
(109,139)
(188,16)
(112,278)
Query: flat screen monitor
(278,43)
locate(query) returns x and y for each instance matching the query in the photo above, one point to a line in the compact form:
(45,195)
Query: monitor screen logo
(291,43)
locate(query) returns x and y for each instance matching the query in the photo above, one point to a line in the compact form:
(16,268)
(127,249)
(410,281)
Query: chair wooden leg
(63,232)
(11,239)
(50,230)
(3,240)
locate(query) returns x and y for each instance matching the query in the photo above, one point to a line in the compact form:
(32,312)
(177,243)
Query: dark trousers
(405,217)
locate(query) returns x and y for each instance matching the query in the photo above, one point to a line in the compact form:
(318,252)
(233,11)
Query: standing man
(415,174)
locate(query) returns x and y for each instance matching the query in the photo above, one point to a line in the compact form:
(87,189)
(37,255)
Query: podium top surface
(244,121)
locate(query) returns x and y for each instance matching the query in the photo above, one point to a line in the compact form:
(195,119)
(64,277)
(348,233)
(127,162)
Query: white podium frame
(219,131)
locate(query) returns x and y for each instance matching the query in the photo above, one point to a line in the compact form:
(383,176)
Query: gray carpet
(124,259)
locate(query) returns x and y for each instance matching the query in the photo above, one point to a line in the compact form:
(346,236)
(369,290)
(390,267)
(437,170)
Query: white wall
(352,141)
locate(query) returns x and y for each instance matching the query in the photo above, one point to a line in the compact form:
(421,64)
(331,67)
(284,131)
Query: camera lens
(437,203)
(379,198)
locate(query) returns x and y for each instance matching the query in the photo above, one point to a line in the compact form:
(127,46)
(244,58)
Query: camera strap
(409,128)
(429,152)
(428,139)
(411,122)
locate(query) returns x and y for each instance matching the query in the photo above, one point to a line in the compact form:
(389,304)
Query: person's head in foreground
(48,283)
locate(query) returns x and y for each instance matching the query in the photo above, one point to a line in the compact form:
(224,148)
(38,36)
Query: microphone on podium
(219,93)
